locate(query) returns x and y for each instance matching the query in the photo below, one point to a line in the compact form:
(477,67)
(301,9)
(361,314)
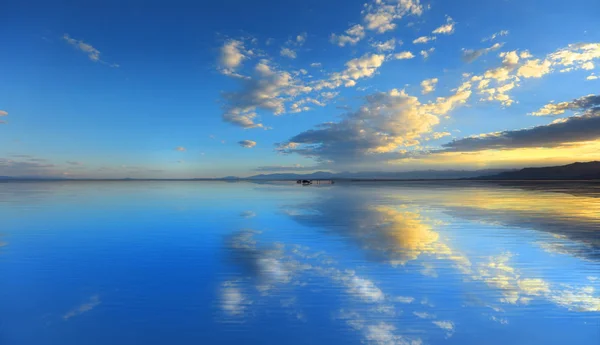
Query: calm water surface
(245,263)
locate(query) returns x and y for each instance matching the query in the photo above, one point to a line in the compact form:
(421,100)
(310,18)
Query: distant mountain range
(408,175)
(575,171)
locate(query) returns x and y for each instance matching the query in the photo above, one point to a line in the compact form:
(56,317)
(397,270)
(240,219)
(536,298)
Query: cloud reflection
(92,303)
(400,233)
(268,270)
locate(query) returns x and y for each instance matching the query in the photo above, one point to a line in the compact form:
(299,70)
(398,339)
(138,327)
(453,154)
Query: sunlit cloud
(231,56)
(380,15)
(446,29)
(428,85)
(404,55)
(424,39)
(386,122)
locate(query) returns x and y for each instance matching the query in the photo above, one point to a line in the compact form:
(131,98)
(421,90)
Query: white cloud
(380,15)
(446,29)
(247,143)
(388,45)
(424,39)
(404,55)
(269,89)
(592,77)
(315,64)
(534,69)
(357,68)
(576,55)
(329,95)
(426,53)
(231,55)
(180,148)
(3,113)
(587,66)
(439,135)
(301,39)
(428,85)
(287,52)
(351,37)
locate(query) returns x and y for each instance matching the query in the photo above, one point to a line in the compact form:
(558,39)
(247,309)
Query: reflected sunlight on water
(354,263)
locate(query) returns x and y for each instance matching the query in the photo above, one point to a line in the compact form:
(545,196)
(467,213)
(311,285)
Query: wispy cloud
(92,53)
(470,55)
(424,39)
(495,35)
(247,143)
(92,303)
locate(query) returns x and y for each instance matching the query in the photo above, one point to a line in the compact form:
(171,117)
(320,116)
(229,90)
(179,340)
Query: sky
(181,90)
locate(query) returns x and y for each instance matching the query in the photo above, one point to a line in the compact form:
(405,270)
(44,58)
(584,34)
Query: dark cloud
(585,102)
(573,129)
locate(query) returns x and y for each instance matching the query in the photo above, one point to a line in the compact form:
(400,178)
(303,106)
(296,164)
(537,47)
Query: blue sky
(171,89)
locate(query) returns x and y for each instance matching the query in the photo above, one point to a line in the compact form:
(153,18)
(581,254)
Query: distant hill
(406,175)
(575,171)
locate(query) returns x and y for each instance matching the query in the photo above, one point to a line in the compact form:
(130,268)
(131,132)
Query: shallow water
(277,263)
